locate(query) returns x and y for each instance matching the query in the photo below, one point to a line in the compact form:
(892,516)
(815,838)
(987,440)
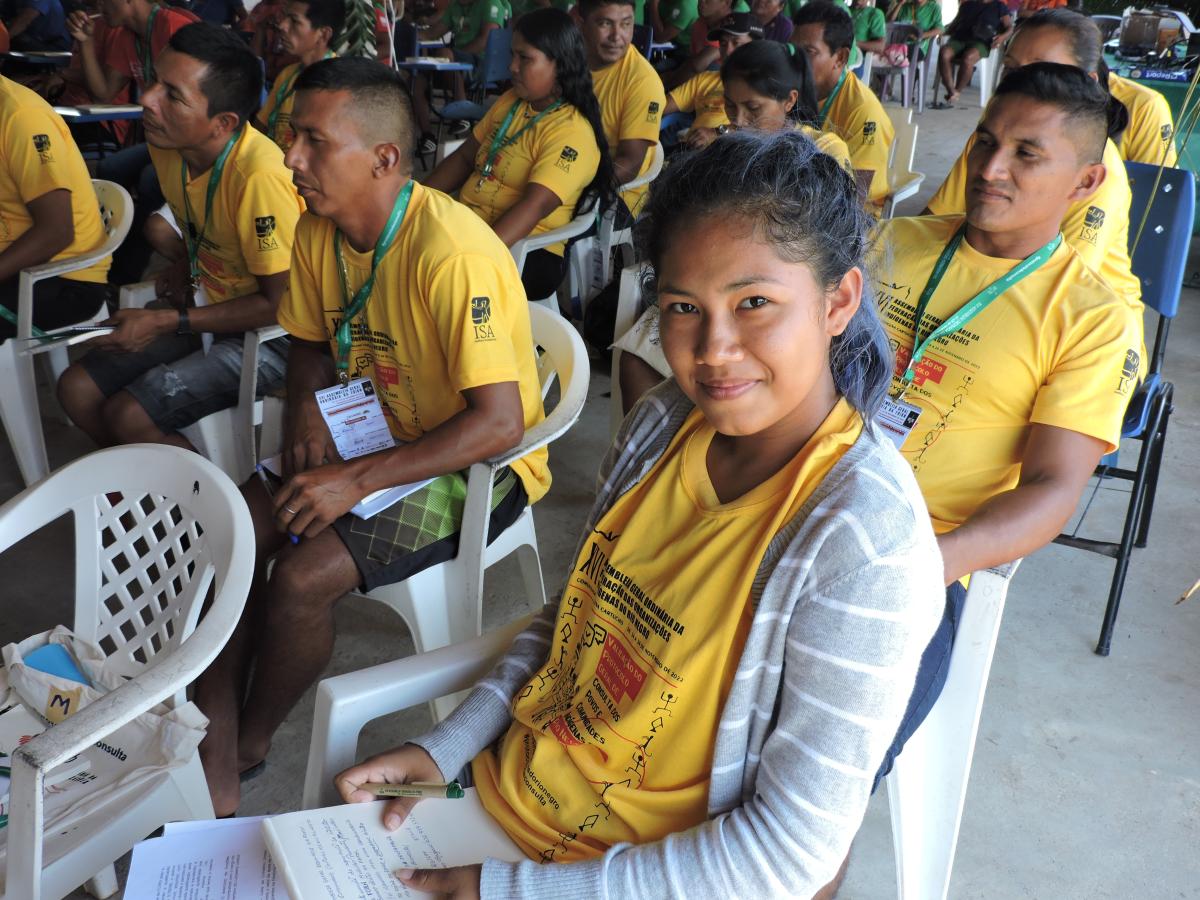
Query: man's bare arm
(52,231)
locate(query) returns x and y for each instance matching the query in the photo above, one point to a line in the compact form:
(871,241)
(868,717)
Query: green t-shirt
(926,16)
(639,12)
(466,20)
(869,24)
(681,14)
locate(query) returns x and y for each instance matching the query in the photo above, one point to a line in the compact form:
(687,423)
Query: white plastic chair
(904,180)
(987,70)
(629,301)
(444,603)
(522,248)
(609,236)
(927,787)
(445,148)
(19,401)
(143,568)
(230,437)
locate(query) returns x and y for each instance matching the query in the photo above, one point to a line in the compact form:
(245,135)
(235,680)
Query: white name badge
(200,298)
(355,418)
(897,419)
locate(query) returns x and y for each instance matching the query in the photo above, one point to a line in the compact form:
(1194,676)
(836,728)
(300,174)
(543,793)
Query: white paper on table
(344,851)
(223,859)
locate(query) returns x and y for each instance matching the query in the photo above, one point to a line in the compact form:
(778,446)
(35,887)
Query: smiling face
(747,109)
(826,65)
(1024,169)
(747,332)
(175,109)
(331,164)
(533,72)
(607,33)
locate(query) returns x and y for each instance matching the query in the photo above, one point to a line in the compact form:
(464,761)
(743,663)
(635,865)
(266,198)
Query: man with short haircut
(628,89)
(442,335)
(48,211)
(704,94)
(308,29)
(1015,359)
(847,107)
(235,204)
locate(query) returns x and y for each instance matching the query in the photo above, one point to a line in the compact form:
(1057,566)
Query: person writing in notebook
(739,631)
(236,207)
(398,289)
(308,29)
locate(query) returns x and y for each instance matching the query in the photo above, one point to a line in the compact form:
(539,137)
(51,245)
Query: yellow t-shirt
(829,143)
(559,153)
(37,156)
(1151,130)
(631,100)
(1057,348)
(704,96)
(447,313)
(254,214)
(612,739)
(858,118)
(1098,227)
(283,88)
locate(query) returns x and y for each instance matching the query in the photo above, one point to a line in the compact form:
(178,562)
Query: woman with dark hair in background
(710,701)
(539,156)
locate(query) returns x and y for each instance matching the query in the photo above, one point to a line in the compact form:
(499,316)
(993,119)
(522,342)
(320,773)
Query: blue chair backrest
(643,37)
(405,38)
(1159,254)
(496,57)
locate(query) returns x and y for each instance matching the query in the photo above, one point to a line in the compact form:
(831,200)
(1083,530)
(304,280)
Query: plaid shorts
(422,530)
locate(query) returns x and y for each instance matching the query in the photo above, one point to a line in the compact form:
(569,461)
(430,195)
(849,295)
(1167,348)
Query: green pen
(420,790)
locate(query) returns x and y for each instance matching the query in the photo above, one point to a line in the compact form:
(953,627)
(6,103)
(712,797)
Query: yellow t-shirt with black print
(37,156)
(1098,227)
(702,95)
(254,214)
(1057,348)
(285,83)
(858,118)
(447,314)
(559,152)
(612,739)
(830,144)
(1150,137)
(631,100)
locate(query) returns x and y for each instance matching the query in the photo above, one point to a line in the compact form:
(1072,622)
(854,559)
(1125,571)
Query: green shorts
(959,46)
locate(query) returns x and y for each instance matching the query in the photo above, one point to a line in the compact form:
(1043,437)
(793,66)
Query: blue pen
(266,483)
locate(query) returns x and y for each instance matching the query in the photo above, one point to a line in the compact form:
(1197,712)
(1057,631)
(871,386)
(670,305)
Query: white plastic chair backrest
(564,357)
(629,301)
(574,228)
(927,787)
(656,167)
(446,148)
(116,210)
(144,563)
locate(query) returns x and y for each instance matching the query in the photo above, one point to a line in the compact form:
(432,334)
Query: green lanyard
(352,308)
(193,243)
(281,95)
(146,50)
(972,307)
(833,96)
(501,139)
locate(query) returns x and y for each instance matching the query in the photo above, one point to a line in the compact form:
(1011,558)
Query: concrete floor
(1085,780)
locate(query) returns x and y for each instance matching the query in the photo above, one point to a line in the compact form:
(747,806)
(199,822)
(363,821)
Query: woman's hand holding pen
(403,765)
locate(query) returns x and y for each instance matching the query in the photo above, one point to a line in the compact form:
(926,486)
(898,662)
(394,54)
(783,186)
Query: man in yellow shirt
(307,29)
(846,106)
(704,94)
(227,187)
(394,283)
(48,211)
(628,89)
(1014,361)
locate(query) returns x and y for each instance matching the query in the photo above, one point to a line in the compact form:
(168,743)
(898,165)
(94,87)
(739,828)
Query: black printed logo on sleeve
(1129,373)
(481,318)
(1093,221)
(1165,131)
(869,133)
(568,156)
(41,143)
(264,230)
(652,111)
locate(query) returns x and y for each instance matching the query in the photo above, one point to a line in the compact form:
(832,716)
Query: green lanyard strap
(194,241)
(281,96)
(972,307)
(832,96)
(352,308)
(501,139)
(146,49)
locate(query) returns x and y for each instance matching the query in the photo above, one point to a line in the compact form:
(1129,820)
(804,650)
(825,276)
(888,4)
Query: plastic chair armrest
(135,296)
(574,228)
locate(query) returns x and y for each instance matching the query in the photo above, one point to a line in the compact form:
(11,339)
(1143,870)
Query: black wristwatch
(184,327)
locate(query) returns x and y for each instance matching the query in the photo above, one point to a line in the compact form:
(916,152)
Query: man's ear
(842,56)
(1088,181)
(226,123)
(389,158)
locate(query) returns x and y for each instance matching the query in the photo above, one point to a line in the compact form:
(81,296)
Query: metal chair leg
(1156,455)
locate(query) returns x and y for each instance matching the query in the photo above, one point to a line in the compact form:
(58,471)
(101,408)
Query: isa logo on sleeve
(481,318)
(41,143)
(264,230)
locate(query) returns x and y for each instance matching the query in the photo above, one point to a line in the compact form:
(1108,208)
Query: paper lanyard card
(200,298)
(355,418)
(897,419)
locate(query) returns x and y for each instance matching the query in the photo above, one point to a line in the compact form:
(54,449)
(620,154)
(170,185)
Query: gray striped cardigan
(847,596)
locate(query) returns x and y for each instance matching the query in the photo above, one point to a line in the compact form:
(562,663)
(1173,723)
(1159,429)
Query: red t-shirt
(124,55)
(76,92)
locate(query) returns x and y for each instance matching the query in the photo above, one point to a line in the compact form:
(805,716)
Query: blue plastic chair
(1167,200)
